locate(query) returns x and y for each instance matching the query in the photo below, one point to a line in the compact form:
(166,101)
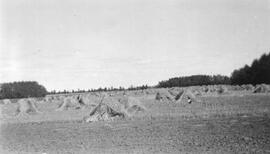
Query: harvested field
(135,77)
(233,122)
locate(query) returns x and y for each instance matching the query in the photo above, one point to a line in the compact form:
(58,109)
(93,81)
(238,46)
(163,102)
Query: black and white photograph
(134,76)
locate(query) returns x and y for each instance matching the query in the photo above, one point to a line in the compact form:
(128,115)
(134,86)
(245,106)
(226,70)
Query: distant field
(234,122)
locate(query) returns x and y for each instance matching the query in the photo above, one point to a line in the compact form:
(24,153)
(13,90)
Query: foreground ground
(229,123)
(219,135)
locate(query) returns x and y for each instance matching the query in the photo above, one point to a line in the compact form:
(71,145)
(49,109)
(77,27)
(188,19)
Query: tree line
(22,89)
(194,80)
(105,89)
(258,72)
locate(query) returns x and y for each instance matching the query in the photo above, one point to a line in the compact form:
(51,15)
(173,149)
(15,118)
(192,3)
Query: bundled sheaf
(6,101)
(27,106)
(112,108)
(71,103)
(177,96)
(186,96)
(261,88)
(164,96)
(248,87)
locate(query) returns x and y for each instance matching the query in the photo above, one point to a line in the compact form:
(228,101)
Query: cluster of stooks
(176,96)
(104,108)
(112,106)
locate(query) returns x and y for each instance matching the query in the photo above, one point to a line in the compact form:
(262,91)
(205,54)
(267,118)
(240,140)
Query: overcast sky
(86,44)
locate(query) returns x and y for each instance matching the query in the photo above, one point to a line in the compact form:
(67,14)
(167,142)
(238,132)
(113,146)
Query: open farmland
(235,121)
(135,77)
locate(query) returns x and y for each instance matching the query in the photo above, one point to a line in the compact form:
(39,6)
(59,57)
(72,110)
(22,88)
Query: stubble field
(234,122)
